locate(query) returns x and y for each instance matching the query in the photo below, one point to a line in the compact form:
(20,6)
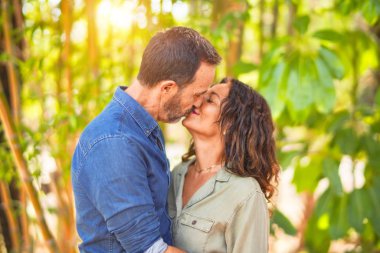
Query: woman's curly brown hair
(246,122)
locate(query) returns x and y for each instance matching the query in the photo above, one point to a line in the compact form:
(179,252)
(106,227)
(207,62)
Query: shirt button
(194,222)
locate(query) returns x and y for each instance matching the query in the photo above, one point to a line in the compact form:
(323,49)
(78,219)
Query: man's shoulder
(108,125)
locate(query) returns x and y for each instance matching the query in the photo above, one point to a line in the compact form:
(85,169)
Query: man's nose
(198,101)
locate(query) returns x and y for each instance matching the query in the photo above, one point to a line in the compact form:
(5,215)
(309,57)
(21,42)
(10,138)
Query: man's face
(183,102)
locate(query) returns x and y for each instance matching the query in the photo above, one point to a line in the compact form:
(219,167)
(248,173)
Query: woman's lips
(195,111)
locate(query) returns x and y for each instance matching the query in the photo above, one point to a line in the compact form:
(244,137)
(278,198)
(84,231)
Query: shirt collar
(145,121)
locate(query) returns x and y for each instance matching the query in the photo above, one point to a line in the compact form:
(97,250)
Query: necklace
(205,169)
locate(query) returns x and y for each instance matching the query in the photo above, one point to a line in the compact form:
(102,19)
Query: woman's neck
(208,151)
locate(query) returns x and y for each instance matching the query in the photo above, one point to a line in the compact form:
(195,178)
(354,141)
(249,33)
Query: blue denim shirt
(120,177)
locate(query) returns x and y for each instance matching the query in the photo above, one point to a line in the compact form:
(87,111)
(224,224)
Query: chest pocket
(195,222)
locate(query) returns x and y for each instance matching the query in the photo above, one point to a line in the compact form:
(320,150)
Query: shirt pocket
(198,223)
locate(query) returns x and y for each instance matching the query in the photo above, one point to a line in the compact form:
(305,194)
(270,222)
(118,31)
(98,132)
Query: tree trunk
(309,204)
(235,42)
(292,14)
(275,19)
(261,28)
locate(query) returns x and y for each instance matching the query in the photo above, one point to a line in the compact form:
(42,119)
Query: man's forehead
(202,88)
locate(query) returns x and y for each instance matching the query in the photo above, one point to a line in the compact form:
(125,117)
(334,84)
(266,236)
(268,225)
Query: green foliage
(319,72)
(282,222)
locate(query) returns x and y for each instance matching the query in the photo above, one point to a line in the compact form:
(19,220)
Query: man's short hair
(175,54)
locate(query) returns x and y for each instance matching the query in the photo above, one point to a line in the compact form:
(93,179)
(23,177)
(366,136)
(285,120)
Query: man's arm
(115,178)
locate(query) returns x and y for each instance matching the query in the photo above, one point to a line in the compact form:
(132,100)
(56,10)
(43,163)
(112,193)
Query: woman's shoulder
(245,185)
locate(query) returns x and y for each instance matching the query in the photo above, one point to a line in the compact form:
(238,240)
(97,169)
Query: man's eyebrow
(200,93)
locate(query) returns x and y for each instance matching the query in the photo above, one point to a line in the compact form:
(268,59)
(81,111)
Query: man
(120,172)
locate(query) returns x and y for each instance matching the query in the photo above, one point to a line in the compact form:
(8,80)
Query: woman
(218,198)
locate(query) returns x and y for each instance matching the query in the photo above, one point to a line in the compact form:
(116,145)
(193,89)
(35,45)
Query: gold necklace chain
(205,169)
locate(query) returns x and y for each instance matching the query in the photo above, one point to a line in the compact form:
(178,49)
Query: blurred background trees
(317,62)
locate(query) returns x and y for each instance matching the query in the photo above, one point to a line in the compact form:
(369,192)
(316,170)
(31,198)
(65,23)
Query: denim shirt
(120,177)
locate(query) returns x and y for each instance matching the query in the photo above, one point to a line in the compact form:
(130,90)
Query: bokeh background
(317,62)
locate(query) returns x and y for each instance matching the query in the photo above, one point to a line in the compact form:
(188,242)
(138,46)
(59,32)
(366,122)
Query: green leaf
(338,121)
(375,202)
(324,99)
(284,223)
(301,24)
(273,91)
(317,240)
(371,11)
(307,175)
(333,62)
(300,83)
(347,140)
(243,67)
(286,158)
(324,202)
(338,223)
(372,148)
(324,75)
(329,35)
(331,171)
(377,97)
(356,209)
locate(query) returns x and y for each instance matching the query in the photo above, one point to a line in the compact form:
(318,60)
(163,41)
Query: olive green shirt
(227,214)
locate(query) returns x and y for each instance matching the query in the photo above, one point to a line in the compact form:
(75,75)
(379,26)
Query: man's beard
(173,109)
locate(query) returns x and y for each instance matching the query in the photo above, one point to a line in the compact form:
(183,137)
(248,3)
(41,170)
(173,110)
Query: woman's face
(203,120)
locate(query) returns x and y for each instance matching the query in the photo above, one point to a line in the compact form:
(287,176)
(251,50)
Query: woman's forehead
(222,89)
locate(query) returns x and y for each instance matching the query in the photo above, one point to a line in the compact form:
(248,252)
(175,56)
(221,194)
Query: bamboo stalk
(26,242)
(9,212)
(20,26)
(62,215)
(14,85)
(71,229)
(66,23)
(24,174)
(2,242)
(92,35)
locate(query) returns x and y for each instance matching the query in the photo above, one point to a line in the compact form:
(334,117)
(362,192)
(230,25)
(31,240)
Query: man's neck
(148,98)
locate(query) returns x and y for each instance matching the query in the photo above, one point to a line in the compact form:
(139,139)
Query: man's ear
(168,86)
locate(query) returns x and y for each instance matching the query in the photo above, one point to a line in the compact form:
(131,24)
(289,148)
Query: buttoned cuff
(158,247)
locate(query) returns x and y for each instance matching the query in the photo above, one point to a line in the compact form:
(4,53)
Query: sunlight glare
(180,11)
(118,16)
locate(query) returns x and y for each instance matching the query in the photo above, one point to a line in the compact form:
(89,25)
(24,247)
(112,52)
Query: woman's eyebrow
(212,93)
